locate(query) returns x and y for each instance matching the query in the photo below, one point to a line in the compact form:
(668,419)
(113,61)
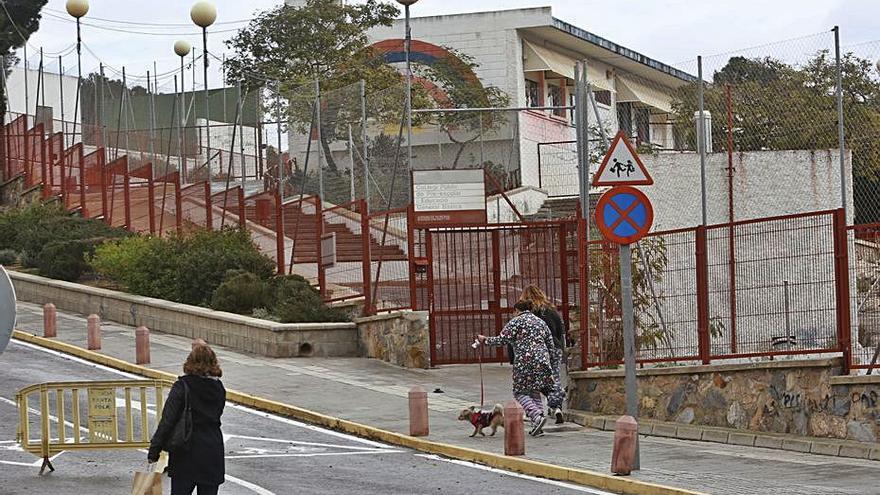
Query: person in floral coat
(533,363)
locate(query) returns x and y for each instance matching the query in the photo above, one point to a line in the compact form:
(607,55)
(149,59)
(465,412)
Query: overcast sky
(672,31)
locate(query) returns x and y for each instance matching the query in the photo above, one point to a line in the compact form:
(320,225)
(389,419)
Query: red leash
(480,361)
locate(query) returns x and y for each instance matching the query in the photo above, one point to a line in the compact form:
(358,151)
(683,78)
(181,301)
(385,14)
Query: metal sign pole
(629,339)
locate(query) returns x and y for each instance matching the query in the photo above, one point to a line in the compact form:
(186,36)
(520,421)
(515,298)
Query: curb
(779,441)
(524,466)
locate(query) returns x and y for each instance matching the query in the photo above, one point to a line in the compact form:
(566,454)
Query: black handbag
(183,427)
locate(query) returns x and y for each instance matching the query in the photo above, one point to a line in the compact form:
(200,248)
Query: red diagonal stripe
(624,215)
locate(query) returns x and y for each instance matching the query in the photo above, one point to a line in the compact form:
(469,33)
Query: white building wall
(53,85)
(765,183)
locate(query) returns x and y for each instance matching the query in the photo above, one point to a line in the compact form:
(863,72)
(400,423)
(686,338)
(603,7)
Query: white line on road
(578,488)
(315,454)
(259,490)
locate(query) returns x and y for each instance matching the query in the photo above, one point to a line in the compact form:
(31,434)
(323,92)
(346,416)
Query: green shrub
(186,269)
(296,301)
(206,256)
(66,260)
(16,220)
(240,293)
(142,264)
(8,256)
(33,237)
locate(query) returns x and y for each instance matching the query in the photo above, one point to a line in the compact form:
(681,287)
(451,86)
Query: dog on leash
(483,419)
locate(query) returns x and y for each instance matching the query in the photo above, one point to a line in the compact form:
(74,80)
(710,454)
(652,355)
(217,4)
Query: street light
(182,49)
(203,14)
(77,9)
(406,50)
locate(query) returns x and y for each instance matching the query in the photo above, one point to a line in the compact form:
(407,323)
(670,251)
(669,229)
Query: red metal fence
(865,294)
(767,287)
(475,275)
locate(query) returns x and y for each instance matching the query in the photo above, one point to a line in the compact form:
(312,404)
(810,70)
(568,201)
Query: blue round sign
(624,215)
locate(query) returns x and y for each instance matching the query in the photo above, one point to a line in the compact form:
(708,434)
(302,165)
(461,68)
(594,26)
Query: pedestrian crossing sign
(622,166)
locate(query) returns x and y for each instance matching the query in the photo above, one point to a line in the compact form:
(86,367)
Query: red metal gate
(477,274)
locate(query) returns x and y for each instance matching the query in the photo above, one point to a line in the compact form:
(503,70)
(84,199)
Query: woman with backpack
(190,426)
(543,309)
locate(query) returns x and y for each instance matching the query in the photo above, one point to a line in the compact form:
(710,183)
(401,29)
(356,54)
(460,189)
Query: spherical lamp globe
(77,8)
(203,14)
(182,48)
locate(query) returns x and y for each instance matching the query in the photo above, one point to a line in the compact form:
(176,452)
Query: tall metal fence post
(584,207)
(841,276)
(702,275)
(319,234)
(209,210)
(279,231)
(701,140)
(366,256)
(841,132)
(320,140)
(366,150)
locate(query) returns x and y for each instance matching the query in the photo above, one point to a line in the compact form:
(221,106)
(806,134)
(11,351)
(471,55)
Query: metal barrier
(91,410)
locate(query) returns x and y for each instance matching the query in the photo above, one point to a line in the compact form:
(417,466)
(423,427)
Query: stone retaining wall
(399,338)
(243,333)
(800,397)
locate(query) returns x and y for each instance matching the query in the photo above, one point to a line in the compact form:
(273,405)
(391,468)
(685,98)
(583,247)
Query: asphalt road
(265,454)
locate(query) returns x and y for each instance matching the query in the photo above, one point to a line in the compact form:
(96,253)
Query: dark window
(555,96)
(624,118)
(643,125)
(532,93)
(603,97)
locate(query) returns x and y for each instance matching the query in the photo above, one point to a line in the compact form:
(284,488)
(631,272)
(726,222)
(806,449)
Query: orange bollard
(94,332)
(50,321)
(418,412)
(142,345)
(514,429)
(623,454)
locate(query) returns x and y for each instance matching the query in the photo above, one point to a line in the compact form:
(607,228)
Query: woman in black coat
(200,462)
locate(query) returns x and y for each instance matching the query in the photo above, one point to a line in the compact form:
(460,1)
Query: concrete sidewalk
(375,393)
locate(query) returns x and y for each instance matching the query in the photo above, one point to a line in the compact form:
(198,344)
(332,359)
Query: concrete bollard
(50,321)
(94,332)
(418,412)
(142,345)
(623,454)
(514,429)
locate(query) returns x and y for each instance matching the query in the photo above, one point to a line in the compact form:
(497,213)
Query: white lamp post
(203,14)
(77,9)
(406,50)
(182,49)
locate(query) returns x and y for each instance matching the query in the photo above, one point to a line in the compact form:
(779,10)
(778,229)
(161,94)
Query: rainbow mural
(422,52)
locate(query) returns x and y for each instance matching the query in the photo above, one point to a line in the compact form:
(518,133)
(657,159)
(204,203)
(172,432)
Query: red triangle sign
(622,166)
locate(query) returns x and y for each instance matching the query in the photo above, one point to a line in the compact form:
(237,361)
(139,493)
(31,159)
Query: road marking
(259,490)
(311,444)
(315,454)
(577,488)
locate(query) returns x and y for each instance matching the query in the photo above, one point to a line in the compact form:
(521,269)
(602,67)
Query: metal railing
(84,415)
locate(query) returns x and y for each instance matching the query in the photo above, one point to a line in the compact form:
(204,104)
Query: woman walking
(533,366)
(199,461)
(543,309)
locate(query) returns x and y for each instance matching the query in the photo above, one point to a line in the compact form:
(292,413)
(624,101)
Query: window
(554,94)
(533,92)
(624,118)
(643,125)
(603,97)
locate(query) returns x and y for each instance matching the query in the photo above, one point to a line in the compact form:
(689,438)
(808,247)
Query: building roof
(620,50)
